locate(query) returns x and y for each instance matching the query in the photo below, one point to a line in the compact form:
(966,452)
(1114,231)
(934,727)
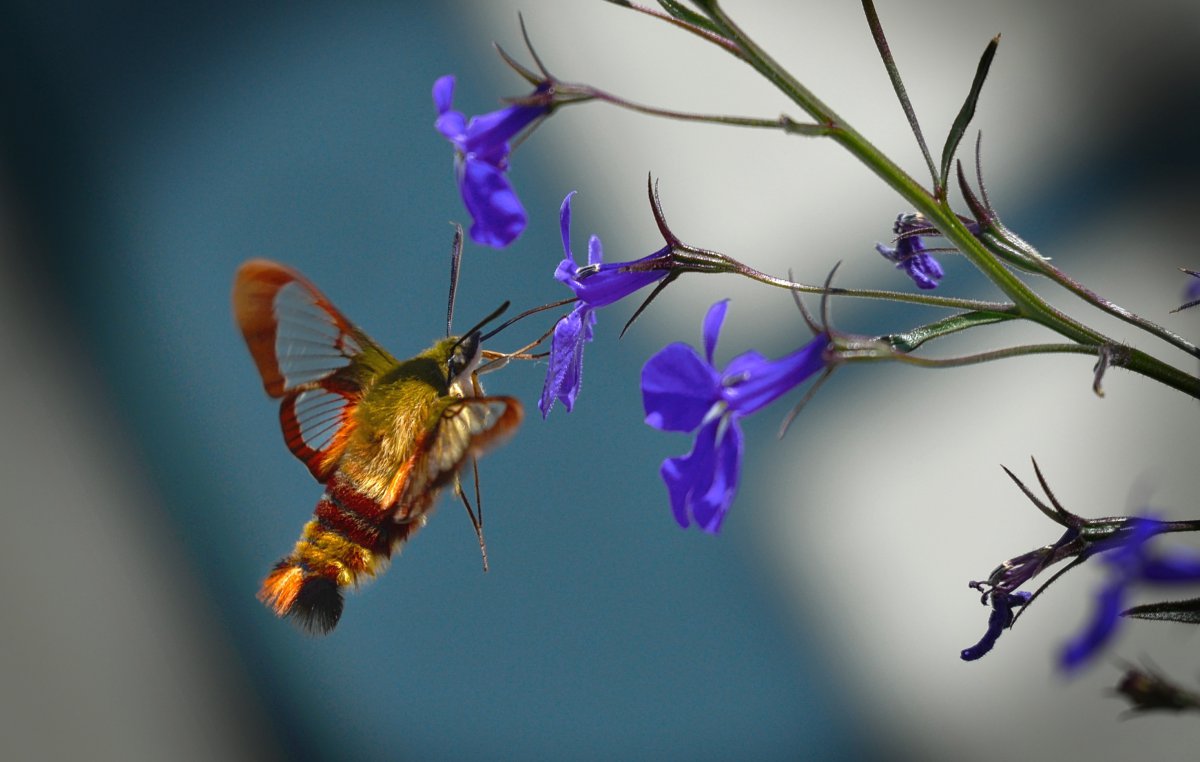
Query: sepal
(1187,611)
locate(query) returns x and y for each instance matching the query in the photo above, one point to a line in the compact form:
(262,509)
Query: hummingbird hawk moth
(383,435)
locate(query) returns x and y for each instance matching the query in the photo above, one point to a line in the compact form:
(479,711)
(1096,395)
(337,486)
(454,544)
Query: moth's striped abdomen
(351,538)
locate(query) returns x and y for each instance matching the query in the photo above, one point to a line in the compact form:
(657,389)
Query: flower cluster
(684,390)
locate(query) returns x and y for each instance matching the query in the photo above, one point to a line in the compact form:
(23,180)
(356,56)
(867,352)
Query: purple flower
(999,620)
(595,285)
(909,252)
(683,392)
(1131,562)
(1191,294)
(910,256)
(481,161)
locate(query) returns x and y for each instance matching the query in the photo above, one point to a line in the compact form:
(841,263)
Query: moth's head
(463,359)
(464,352)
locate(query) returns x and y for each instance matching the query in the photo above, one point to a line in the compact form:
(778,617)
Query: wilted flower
(683,392)
(595,285)
(481,161)
(999,620)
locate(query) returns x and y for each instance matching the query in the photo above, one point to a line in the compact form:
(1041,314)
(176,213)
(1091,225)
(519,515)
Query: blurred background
(148,149)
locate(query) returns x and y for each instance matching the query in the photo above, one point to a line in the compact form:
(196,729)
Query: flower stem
(997,354)
(1116,310)
(1003,310)
(783,123)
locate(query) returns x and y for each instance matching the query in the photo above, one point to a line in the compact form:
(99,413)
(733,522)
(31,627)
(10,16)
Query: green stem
(940,215)
(1116,310)
(880,350)
(706,260)
(998,354)
(1003,310)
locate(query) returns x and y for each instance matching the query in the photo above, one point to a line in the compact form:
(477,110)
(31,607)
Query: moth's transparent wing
(308,354)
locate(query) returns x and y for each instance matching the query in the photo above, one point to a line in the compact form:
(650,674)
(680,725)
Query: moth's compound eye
(463,357)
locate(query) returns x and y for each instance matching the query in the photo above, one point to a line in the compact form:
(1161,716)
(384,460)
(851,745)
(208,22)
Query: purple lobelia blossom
(481,161)
(909,253)
(682,391)
(1131,562)
(596,285)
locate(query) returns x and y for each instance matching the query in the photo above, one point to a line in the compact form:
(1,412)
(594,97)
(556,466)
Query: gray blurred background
(148,150)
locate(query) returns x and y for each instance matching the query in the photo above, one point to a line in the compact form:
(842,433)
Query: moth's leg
(475,515)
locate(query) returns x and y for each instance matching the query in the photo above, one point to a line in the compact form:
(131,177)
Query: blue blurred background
(148,149)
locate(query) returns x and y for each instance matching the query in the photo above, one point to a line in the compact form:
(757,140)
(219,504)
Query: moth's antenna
(479,326)
(526,314)
(455,258)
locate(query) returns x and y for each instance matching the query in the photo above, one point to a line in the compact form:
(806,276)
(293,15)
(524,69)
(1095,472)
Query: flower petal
(443,93)
(678,388)
(452,125)
(497,214)
(595,250)
(712,327)
(924,270)
(1099,630)
(702,484)
(564,375)
(564,225)
(1171,568)
(488,134)
(612,282)
(752,382)
(709,507)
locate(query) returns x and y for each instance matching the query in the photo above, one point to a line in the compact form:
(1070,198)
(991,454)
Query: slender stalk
(1116,310)
(784,123)
(997,354)
(1003,309)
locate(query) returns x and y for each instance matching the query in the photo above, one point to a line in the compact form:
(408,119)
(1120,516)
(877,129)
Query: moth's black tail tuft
(314,601)
(318,605)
